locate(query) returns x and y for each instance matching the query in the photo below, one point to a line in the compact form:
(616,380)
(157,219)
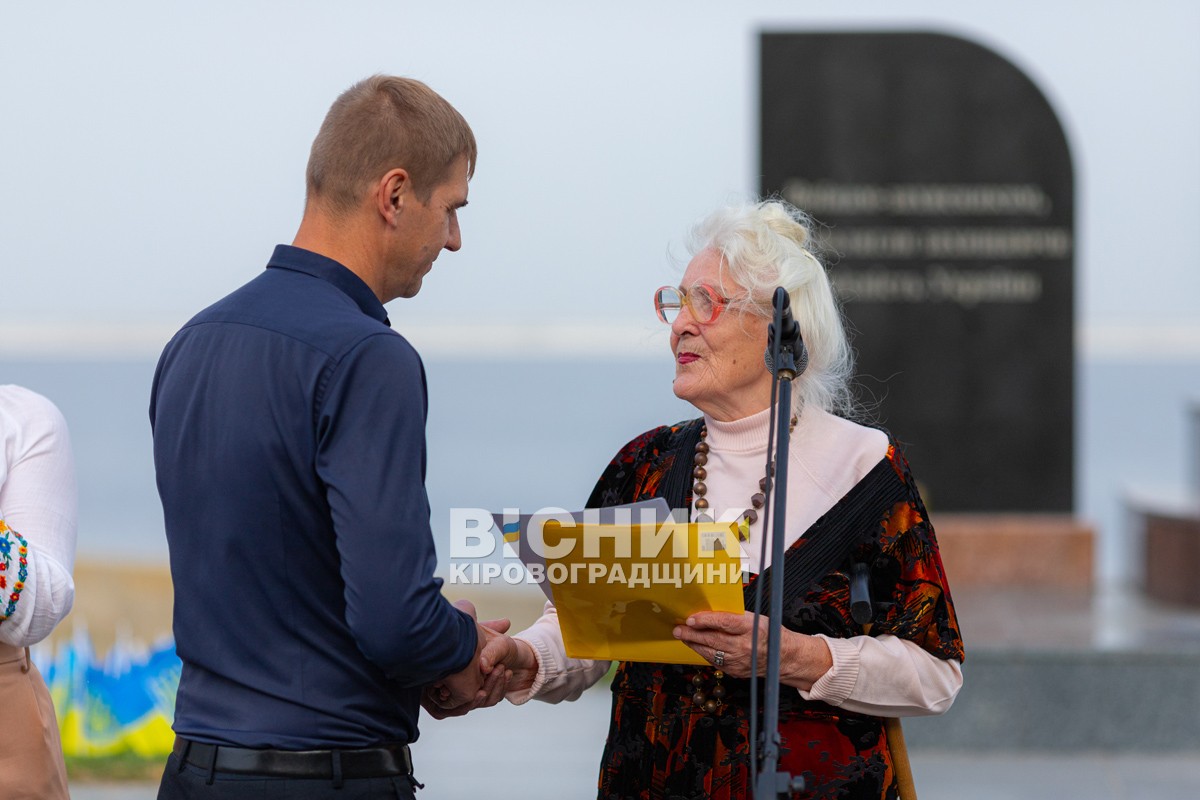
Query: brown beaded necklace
(710,700)
(700,488)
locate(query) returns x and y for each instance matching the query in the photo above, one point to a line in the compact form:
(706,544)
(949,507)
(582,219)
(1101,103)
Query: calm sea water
(537,433)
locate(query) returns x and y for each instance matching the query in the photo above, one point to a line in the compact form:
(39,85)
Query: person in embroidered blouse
(38,500)
(682,732)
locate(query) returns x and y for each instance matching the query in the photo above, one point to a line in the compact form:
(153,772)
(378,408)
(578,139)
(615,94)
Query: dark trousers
(193,782)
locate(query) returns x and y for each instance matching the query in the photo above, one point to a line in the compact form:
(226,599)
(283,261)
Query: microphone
(860,593)
(801,360)
(790,339)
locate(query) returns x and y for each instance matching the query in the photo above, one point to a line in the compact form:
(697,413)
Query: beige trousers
(31,759)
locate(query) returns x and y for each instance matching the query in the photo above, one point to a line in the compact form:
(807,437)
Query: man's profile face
(425,229)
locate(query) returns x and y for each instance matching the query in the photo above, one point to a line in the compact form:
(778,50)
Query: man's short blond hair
(381,123)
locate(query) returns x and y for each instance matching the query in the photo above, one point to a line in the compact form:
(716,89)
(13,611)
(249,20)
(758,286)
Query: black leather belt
(337,765)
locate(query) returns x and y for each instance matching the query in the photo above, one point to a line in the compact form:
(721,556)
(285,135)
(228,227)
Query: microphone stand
(784,337)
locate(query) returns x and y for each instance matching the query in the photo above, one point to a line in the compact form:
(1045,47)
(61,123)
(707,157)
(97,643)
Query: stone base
(1172,557)
(1084,700)
(1016,550)
(1100,669)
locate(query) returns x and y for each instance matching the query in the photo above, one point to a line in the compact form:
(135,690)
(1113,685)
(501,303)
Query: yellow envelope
(621,589)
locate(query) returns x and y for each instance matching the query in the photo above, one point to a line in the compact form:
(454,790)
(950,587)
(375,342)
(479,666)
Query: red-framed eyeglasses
(704,302)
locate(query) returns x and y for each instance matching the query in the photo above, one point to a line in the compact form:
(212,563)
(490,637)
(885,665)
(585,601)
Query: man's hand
(483,682)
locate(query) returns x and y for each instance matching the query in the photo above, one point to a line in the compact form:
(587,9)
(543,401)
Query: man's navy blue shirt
(289,444)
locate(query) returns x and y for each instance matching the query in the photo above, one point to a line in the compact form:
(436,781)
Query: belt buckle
(406,756)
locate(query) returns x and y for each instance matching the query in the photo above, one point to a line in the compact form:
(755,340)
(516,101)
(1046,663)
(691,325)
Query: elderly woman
(681,731)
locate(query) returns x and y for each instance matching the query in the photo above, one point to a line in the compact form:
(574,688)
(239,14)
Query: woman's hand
(514,655)
(803,658)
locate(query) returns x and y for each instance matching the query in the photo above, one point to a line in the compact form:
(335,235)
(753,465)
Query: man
(289,443)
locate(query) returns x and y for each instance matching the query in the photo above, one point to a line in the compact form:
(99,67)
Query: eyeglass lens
(668,301)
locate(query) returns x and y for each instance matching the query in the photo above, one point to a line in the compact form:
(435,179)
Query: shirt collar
(298,259)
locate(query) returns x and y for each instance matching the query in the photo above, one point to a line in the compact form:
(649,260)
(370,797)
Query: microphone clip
(787,348)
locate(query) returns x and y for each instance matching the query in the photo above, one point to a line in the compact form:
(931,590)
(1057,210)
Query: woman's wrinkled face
(719,366)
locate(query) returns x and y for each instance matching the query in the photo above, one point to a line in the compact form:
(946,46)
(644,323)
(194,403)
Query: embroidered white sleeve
(38,500)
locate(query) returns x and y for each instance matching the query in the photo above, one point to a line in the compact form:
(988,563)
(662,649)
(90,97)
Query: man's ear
(392,191)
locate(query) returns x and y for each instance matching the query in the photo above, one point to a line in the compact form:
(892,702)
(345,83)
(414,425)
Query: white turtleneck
(826,458)
(884,675)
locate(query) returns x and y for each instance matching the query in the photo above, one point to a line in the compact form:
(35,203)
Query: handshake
(501,664)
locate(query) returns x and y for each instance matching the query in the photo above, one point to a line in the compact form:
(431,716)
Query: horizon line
(531,341)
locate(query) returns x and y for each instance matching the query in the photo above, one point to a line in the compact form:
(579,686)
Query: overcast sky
(152,153)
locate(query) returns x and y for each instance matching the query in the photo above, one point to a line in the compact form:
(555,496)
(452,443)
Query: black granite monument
(945,183)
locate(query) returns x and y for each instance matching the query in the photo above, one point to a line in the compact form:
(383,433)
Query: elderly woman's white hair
(768,244)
